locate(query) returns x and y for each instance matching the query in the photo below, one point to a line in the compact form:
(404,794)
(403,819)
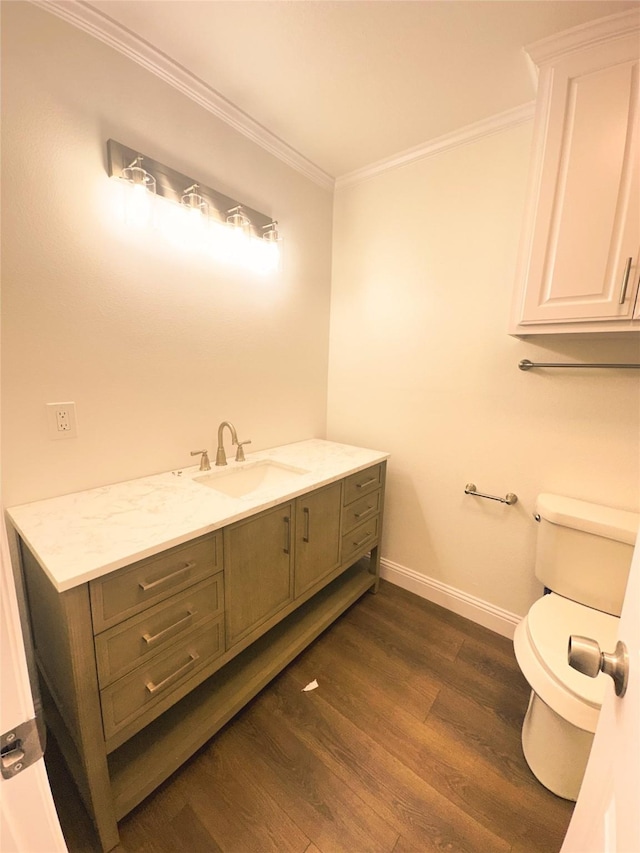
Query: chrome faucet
(221,456)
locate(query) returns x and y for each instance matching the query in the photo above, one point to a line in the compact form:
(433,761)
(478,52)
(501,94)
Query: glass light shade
(140,195)
(195,203)
(271,233)
(238,219)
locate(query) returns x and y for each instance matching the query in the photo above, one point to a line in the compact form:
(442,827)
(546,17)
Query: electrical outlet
(61,420)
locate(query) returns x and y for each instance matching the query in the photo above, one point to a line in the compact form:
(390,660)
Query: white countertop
(85,535)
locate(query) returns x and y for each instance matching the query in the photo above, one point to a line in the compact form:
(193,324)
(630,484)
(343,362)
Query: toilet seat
(540,644)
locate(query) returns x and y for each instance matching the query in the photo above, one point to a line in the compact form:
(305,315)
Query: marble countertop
(79,537)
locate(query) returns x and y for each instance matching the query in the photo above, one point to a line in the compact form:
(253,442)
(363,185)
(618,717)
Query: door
(605,819)
(584,250)
(28,819)
(317,536)
(258,571)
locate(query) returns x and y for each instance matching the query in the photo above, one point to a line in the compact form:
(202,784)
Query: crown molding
(463,136)
(584,36)
(106,30)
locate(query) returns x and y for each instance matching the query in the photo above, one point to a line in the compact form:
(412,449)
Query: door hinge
(20,747)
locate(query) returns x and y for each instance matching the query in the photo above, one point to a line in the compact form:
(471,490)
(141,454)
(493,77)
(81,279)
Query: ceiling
(348,83)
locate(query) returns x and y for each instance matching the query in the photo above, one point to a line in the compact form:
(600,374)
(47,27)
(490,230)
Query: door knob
(586,656)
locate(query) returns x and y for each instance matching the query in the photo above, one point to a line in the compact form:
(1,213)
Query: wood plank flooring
(410,743)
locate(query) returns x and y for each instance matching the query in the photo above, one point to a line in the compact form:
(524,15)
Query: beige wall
(155,347)
(421,365)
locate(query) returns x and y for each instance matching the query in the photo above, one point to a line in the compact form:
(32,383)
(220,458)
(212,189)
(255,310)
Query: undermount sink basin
(251,479)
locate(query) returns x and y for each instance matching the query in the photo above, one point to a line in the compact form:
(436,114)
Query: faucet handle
(240,451)
(205,465)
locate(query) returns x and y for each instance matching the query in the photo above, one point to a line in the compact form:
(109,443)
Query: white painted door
(606,816)
(28,819)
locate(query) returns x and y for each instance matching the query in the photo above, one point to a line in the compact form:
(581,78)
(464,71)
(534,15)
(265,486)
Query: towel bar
(510,499)
(525,364)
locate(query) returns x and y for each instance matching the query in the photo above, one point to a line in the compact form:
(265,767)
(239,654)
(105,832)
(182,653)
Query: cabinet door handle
(145,586)
(177,626)
(153,688)
(367,511)
(366,483)
(625,281)
(287,535)
(305,535)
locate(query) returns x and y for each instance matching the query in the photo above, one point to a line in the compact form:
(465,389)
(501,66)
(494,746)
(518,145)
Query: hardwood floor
(410,743)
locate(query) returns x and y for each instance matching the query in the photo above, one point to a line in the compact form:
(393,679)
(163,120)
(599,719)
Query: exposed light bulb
(140,195)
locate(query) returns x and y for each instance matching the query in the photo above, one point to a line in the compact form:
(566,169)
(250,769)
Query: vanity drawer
(362,483)
(154,682)
(360,539)
(129,644)
(360,511)
(124,593)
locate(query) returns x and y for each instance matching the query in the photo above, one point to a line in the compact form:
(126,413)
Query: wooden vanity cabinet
(139,668)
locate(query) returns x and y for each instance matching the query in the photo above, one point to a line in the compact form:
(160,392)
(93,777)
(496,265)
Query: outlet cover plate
(61,420)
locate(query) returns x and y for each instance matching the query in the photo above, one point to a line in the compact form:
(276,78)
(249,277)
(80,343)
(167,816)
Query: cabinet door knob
(287,535)
(625,281)
(176,627)
(145,586)
(153,688)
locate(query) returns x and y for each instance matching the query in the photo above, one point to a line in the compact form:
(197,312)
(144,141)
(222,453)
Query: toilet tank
(584,550)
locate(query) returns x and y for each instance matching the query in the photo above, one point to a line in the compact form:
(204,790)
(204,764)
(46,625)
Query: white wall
(154,346)
(421,365)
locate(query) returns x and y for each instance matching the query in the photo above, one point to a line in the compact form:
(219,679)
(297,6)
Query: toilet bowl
(564,706)
(583,554)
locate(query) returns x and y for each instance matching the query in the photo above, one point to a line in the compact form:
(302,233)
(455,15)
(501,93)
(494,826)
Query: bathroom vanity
(161,606)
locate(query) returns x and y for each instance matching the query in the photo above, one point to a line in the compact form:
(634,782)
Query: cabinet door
(258,570)
(317,536)
(580,262)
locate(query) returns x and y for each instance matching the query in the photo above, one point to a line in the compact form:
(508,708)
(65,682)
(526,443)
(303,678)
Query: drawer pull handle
(366,483)
(153,688)
(145,586)
(362,541)
(367,511)
(305,536)
(625,281)
(177,626)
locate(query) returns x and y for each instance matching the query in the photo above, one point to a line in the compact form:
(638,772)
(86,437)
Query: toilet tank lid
(618,524)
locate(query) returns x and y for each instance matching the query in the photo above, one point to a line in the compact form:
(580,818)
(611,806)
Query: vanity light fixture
(215,223)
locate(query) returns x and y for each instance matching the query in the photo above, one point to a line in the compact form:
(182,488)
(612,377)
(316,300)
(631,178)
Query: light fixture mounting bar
(171,185)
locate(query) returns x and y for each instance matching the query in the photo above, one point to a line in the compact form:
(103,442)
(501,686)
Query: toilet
(583,555)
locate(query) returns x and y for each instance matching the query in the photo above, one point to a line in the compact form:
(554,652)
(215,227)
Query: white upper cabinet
(578,267)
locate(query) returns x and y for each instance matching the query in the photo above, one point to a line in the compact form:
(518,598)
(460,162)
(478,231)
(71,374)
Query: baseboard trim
(476,609)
